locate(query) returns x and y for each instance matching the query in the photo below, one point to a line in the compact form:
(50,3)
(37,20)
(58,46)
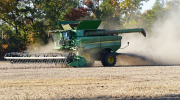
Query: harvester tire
(108,59)
(89,58)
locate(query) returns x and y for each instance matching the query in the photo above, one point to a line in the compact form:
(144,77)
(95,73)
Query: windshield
(60,38)
(65,35)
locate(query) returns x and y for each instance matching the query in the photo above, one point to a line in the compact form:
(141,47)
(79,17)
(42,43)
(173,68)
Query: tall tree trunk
(15,26)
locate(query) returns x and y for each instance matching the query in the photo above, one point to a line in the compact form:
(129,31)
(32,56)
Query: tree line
(27,22)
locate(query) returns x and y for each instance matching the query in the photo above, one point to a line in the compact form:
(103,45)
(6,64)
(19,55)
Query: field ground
(40,81)
(138,82)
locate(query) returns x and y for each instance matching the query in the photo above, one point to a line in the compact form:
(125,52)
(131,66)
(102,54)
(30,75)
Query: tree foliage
(149,17)
(15,13)
(31,19)
(76,14)
(54,10)
(113,11)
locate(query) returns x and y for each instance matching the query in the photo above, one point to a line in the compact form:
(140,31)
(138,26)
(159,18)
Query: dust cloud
(160,46)
(48,48)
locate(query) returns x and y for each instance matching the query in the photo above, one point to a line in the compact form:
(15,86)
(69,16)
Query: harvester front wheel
(89,58)
(108,59)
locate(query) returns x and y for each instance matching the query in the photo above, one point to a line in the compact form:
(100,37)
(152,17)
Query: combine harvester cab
(83,43)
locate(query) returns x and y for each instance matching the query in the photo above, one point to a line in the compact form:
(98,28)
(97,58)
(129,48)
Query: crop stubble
(92,83)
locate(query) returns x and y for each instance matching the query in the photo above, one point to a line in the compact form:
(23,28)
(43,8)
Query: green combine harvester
(83,44)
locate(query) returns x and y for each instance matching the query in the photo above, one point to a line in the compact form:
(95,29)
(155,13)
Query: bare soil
(124,81)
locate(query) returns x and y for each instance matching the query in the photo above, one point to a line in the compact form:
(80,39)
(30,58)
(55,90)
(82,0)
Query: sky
(147,5)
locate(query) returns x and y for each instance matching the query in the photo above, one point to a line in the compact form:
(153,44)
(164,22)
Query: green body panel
(79,62)
(91,43)
(112,42)
(80,33)
(98,43)
(88,24)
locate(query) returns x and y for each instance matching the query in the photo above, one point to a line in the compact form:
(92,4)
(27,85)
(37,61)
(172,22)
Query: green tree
(147,18)
(76,14)
(114,11)
(93,7)
(55,10)
(17,14)
(135,21)
(152,15)
(12,42)
(9,12)
(129,8)
(14,13)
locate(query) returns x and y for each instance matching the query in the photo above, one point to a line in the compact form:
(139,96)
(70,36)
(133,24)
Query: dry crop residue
(137,82)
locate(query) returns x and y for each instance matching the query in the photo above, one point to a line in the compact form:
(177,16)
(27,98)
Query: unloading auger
(83,42)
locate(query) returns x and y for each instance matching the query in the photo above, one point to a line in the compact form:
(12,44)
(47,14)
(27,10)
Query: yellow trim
(101,42)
